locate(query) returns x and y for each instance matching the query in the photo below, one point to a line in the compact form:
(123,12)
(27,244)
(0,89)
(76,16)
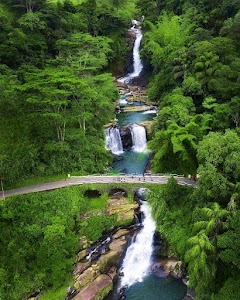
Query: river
(138,281)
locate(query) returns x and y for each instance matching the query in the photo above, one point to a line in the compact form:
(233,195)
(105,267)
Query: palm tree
(212,223)
(198,256)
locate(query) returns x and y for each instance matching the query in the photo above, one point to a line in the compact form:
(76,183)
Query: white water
(113,140)
(152,111)
(137,261)
(139,139)
(137,63)
(106,241)
(123,102)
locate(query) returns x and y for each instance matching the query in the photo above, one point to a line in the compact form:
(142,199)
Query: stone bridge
(97,179)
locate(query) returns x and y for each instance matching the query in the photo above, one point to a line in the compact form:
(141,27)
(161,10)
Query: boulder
(142,193)
(81,267)
(120,233)
(176,270)
(96,290)
(118,245)
(126,137)
(120,84)
(191,293)
(168,266)
(86,277)
(109,259)
(136,23)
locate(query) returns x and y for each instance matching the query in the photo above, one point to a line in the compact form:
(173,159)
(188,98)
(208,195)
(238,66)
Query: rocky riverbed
(97,264)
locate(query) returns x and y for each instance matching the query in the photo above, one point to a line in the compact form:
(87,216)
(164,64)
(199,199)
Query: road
(154,179)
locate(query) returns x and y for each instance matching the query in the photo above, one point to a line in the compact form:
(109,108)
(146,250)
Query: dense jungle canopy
(57,61)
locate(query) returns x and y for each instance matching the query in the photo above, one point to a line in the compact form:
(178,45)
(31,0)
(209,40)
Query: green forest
(56,82)
(58,60)
(192,49)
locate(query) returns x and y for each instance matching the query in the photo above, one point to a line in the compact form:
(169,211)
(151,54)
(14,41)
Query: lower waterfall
(138,138)
(137,261)
(113,140)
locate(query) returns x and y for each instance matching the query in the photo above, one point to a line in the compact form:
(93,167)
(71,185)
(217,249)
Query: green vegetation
(56,64)
(194,59)
(205,236)
(192,48)
(40,238)
(57,91)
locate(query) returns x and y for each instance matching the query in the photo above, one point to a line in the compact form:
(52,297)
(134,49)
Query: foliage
(192,48)
(95,225)
(56,91)
(39,238)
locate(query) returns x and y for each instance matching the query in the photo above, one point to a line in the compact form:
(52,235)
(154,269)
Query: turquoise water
(132,163)
(133,117)
(153,288)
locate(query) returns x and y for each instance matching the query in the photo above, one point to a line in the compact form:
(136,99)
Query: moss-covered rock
(86,277)
(96,290)
(108,259)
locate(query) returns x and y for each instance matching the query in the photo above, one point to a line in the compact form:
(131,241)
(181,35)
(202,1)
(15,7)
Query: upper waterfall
(138,256)
(137,63)
(113,140)
(139,139)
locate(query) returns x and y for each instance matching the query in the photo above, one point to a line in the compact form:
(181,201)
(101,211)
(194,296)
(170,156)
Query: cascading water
(138,280)
(137,261)
(138,138)
(137,63)
(113,140)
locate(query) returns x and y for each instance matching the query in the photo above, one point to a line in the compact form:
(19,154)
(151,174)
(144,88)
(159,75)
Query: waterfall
(113,140)
(137,63)
(138,256)
(138,138)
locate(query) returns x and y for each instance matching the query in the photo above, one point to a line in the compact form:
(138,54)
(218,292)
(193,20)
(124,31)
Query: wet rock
(136,23)
(120,233)
(117,157)
(121,84)
(112,273)
(126,137)
(187,298)
(122,293)
(177,270)
(159,270)
(142,193)
(109,259)
(191,293)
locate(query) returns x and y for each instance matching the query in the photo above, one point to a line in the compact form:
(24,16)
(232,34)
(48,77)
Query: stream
(137,279)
